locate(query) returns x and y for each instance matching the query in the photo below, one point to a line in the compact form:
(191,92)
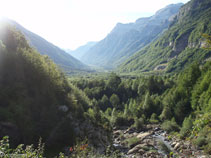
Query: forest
(33,88)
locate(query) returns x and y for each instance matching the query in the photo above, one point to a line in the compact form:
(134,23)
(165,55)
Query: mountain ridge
(179,46)
(60,57)
(125,39)
(80,51)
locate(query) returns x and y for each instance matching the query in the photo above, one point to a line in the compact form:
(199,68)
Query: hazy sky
(71,23)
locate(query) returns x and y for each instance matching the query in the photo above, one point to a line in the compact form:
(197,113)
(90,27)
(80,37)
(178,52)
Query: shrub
(163,147)
(29,151)
(186,127)
(153,119)
(139,123)
(131,141)
(119,121)
(200,141)
(207,149)
(170,126)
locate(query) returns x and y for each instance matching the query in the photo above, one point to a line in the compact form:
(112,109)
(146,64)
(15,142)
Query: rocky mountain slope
(60,57)
(125,39)
(81,51)
(181,45)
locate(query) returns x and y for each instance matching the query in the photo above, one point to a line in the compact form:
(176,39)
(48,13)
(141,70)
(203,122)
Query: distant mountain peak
(80,51)
(125,39)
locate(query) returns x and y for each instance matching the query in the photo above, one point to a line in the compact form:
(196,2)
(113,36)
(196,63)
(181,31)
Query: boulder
(173,144)
(136,149)
(177,146)
(141,151)
(142,136)
(118,132)
(134,144)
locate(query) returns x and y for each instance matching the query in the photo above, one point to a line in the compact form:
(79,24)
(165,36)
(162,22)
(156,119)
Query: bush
(170,126)
(139,123)
(153,119)
(81,150)
(186,127)
(131,141)
(207,149)
(119,121)
(29,151)
(163,147)
(200,141)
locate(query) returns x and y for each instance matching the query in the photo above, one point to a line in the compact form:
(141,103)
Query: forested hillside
(180,103)
(59,56)
(125,39)
(36,99)
(180,45)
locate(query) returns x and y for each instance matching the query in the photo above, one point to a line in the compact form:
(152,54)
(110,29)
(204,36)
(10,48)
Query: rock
(173,144)
(141,151)
(177,146)
(141,136)
(135,149)
(135,134)
(157,129)
(118,139)
(149,127)
(118,132)
(127,135)
(129,131)
(132,151)
(134,144)
(1,154)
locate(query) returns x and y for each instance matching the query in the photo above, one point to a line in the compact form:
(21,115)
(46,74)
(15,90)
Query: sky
(72,23)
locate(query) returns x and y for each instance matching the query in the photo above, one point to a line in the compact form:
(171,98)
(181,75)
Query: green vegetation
(38,101)
(179,46)
(170,126)
(65,61)
(126,39)
(20,152)
(79,151)
(131,141)
(180,102)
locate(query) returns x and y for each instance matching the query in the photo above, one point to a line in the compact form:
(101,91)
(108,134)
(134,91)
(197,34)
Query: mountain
(60,57)
(32,89)
(37,101)
(125,39)
(181,45)
(80,51)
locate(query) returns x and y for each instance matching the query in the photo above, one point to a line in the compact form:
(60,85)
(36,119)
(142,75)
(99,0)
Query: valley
(142,91)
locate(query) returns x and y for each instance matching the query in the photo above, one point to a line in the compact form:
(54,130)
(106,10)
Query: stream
(153,142)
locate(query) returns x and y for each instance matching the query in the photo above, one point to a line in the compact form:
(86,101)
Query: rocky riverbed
(153,142)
